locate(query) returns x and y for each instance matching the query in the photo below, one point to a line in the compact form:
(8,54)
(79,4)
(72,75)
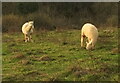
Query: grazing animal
(91,32)
(27,30)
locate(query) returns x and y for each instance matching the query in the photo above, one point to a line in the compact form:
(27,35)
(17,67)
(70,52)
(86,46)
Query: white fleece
(27,30)
(91,32)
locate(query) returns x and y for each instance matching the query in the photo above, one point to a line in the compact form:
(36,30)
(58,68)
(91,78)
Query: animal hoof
(26,41)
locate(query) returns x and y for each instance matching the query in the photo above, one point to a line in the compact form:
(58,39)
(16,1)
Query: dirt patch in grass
(45,58)
(42,58)
(108,68)
(18,56)
(115,51)
(35,52)
(77,70)
(24,62)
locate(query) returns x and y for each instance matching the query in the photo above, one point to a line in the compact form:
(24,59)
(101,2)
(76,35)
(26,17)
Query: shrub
(12,23)
(26,8)
(41,20)
(112,21)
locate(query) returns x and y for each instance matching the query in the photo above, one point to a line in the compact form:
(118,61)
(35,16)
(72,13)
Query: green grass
(57,56)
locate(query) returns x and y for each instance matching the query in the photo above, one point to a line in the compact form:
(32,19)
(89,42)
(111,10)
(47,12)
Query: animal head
(31,22)
(88,46)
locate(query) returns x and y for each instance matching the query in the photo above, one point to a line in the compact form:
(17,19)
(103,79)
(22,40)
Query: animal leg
(31,38)
(93,45)
(89,40)
(26,38)
(82,41)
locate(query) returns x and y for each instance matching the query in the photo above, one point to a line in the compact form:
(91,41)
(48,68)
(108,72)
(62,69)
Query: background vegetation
(51,15)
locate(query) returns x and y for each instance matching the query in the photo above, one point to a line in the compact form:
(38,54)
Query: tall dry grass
(12,23)
(43,21)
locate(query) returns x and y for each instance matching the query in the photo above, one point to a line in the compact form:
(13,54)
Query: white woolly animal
(91,32)
(27,30)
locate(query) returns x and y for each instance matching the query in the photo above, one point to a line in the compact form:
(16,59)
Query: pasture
(57,56)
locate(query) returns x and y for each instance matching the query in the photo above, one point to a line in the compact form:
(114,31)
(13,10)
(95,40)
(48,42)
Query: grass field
(57,56)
